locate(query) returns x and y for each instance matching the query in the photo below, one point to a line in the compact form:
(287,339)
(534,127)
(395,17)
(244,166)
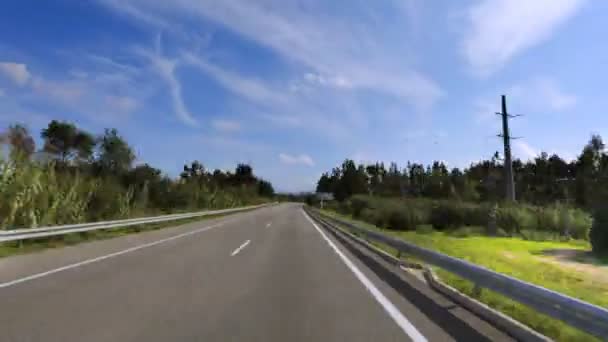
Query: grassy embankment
(34,245)
(563,266)
(36,194)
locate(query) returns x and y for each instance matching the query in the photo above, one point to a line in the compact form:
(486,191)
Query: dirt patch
(577,260)
(508,255)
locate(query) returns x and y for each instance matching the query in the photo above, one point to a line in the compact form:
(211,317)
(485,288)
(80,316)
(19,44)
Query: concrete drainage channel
(425,274)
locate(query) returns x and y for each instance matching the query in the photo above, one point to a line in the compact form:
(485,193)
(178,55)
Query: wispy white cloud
(78,74)
(542,93)
(255,90)
(165,68)
(16,72)
(65,91)
(502,29)
(122,104)
(283,120)
(331,81)
(343,49)
(302,159)
(2,92)
(89,92)
(134,11)
(239,147)
(111,63)
(226,125)
(534,96)
(524,150)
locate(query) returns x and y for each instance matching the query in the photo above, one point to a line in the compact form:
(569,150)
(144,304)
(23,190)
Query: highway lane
(266,275)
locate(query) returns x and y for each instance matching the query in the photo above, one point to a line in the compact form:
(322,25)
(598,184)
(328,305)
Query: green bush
(357,204)
(401,219)
(513,219)
(580,224)
(466,231)
(530,222)
(344,208)
(598,235)
(373,216)
(476,215)
(548,219)
(446,215)
(538,235)
(424,229)
(421,209)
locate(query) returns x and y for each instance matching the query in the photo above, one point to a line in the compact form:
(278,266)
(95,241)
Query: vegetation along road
(266,275)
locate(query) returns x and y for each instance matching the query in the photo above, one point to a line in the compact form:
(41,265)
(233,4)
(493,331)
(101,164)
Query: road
(265,275)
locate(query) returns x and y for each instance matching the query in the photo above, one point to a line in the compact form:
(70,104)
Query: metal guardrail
(574,312)
(33,233)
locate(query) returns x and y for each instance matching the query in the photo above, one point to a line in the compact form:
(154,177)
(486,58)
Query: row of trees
(545,179)
(97,177)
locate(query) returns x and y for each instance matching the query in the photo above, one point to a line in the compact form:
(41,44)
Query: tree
(391,183)
(351,180)
(265,188)
(19,140)
(588,170)
(324,184)
(115,155)
(243,175)
(219,178)
(142,174)
(67,142)
(196,170)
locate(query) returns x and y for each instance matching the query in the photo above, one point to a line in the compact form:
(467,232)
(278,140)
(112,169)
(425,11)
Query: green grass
(522,259)
(34,245)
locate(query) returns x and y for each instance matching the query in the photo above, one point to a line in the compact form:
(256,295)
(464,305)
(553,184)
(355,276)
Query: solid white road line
(236,251)
(107,256)
(389,307)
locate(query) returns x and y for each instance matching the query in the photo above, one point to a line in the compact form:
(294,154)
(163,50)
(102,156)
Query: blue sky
(294,87)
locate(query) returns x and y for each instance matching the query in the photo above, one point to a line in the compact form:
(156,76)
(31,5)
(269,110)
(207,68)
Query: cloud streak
(302,159)
(499,30)
(541,94)
(346,52)
(252,89)
(226,125)
(165,68)
(524,150)
(16,72)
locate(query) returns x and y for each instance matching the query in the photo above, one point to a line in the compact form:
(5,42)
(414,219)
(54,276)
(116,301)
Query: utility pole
(508,166)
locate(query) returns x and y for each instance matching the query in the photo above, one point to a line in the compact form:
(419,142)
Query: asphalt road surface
(265,275)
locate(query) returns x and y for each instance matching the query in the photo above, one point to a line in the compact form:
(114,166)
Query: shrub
(512,219)
(466,231)
(373,216)
(357,204)
(548,219)
(538,235)
(476,215)
(344,208)
(580,224)
(424,229)
(598,235)
(401,219)
(447,215)
(420,208)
